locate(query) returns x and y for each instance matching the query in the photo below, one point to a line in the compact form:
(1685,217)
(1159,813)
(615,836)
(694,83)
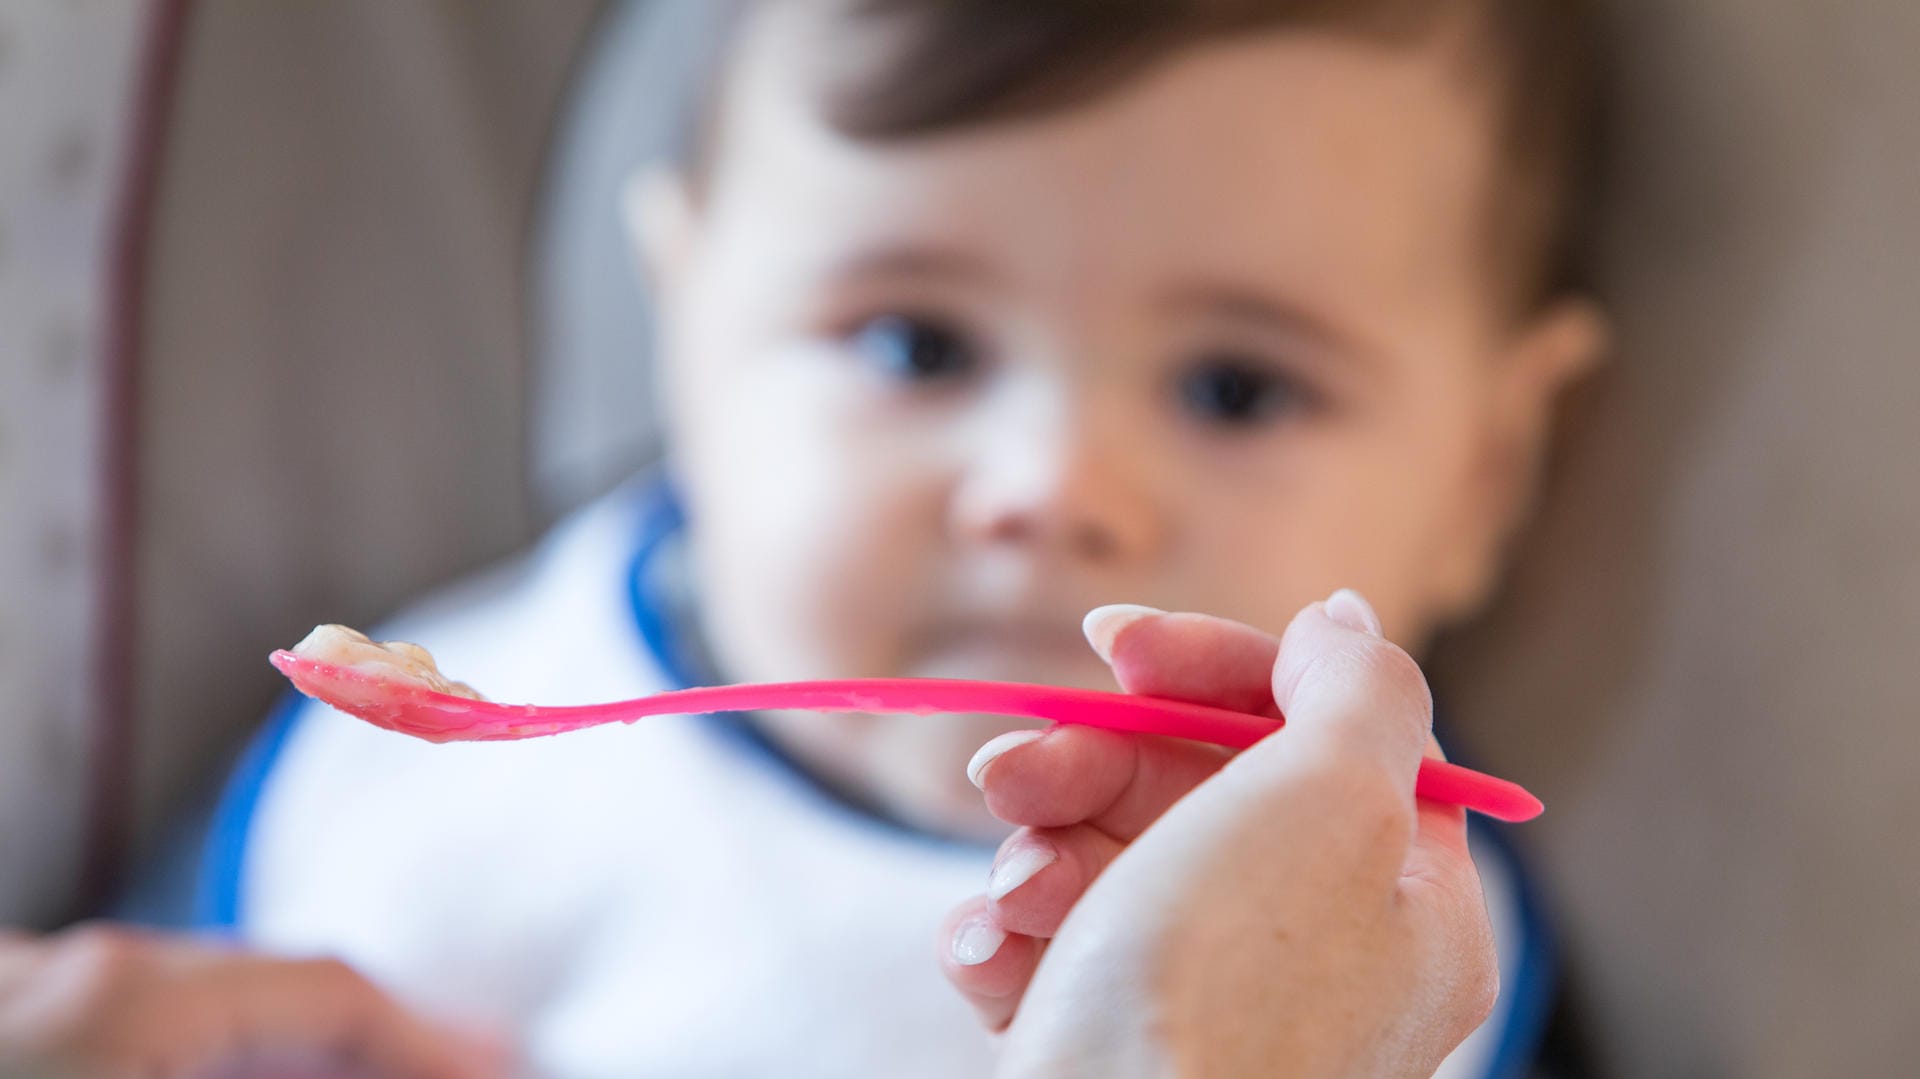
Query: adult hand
(1168,907)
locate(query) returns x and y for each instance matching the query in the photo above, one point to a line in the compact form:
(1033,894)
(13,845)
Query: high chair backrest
(324,377)
(1705,660)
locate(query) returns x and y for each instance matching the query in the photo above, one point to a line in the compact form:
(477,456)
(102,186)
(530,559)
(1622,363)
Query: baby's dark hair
(924,67)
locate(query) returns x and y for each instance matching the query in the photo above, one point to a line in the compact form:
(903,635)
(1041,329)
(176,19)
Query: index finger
(1199,658)
(1121,783)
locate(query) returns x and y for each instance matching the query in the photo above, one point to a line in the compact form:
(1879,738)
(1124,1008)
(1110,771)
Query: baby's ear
(1543,359)
(1555,349)
(657,209)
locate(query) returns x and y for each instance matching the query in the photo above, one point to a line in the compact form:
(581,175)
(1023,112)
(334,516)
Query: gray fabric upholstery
(590,420)
(1704,663)
(332,400)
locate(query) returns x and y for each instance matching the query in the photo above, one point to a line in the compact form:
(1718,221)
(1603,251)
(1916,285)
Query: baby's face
(1222,341)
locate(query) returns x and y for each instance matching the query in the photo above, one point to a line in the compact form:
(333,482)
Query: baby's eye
(1240,392)
(916,348)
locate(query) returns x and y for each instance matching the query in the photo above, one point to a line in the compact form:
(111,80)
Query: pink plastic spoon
(440,717)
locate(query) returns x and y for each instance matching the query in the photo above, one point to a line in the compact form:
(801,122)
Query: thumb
(1353,700)
(1341,774)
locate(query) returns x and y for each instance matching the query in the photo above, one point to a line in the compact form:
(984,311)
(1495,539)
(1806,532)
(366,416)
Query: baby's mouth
(1053,653)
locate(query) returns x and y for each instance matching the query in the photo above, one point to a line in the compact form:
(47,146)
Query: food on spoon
(395,662)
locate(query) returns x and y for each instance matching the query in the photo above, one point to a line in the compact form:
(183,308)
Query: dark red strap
(111,748)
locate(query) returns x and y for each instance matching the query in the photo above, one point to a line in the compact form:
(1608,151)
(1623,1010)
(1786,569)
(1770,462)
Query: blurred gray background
(384,329)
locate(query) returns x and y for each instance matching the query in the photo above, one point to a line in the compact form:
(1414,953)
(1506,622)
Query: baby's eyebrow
(927,261)
(1239,304)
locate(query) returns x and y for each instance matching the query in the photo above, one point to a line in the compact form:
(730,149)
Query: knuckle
(1382,813)
(1397,673)
(1488,995)
(102,951)
(94,992)
(1379,667)
(1376,816)
(1480,991)
(1372,698)
(1369,796)
(1479,996)
(333,975)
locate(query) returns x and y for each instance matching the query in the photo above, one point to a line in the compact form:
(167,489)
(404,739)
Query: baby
(975,316)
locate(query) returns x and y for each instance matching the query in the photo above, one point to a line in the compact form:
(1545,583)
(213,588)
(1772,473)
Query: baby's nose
(1068,491)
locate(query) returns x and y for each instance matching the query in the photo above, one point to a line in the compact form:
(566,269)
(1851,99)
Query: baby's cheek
(867,577)
(823,546)
(803,605)
(863,608)
(1262,568)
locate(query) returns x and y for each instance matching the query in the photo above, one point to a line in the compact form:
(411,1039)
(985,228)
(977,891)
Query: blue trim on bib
(1538,976)
(1536,979)
(661,518)
(223,859)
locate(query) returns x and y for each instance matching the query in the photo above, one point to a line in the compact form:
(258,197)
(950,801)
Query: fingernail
(1350,609)
(976,942)
(1103,624)
(1019,867)
(992,750)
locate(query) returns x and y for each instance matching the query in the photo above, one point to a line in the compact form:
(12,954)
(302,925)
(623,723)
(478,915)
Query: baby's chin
(919,768)
(914,767)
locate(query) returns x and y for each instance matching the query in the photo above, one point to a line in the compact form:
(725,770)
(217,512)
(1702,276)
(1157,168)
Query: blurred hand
(107,1002)
(1168,907)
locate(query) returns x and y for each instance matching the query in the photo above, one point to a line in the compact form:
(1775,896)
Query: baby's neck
(896,768)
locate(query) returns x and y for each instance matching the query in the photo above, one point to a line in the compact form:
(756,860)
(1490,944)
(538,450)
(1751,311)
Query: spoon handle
(438,717)
(1438,780)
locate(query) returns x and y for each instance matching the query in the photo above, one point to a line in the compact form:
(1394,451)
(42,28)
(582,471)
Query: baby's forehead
(908,72)
(1348,154)
(904,70)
